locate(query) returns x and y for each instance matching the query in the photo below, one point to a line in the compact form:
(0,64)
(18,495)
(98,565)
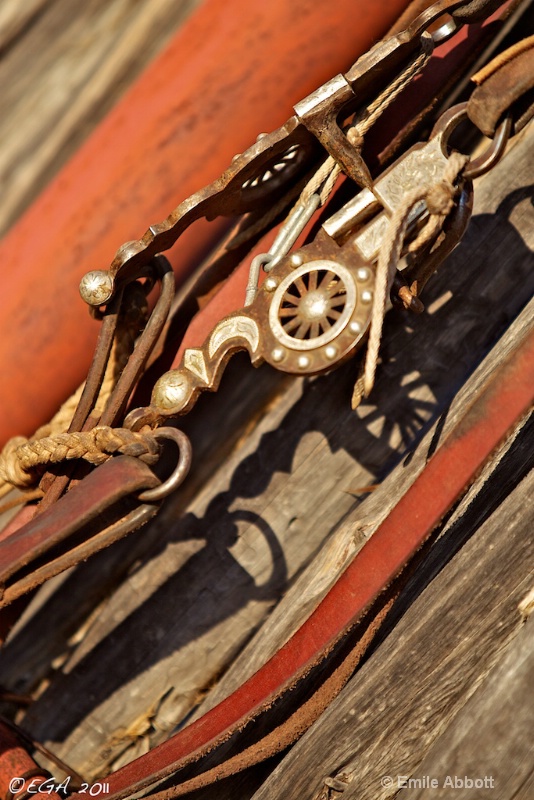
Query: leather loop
(40,545)
(476,10)
(506,85)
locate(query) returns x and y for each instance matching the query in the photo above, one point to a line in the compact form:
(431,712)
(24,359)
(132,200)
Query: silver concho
(312,305)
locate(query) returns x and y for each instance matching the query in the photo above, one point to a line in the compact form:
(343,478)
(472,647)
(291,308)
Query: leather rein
(315,307)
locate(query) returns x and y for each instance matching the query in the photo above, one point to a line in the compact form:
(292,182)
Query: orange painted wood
(234,70)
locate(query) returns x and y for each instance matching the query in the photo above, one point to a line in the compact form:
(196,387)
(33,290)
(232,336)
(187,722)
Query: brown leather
(233,70)
(476,10)
(16,763)
(507,88)
(509,392)
(506,395)
(22,553)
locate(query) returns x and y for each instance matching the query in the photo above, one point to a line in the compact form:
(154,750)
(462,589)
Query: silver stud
(303,362)
(172,390)
(270,284)
(363,274)
(366,296)
(355,327)
(330,351)
(277,354)
(296,260)
(96,287)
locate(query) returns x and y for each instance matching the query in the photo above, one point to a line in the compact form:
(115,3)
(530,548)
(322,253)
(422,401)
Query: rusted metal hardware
(248,183)
(312,311)
(314,308)
(155,146)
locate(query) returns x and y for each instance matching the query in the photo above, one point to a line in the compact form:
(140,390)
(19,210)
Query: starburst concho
(310,313)
(319,312)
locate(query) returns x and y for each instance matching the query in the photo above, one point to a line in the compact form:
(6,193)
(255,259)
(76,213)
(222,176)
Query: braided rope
(21,460)
(23,474)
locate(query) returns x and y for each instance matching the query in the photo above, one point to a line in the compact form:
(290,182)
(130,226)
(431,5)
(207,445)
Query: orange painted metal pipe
(234,69)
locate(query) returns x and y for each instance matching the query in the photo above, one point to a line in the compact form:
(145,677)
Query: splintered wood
(158,625)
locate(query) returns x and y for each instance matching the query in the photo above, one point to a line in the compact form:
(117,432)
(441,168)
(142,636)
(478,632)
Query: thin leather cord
(291,729)
(439,199)
(17,467)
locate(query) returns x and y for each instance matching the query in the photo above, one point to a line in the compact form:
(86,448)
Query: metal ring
(179,472)
(493,154)
(445,31)
(447,124)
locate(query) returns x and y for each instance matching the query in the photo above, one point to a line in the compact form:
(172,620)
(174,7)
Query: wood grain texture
(223,553)
(15,17)
(450,635)
(64,65)
(350,532)
(478,743)
(152,624)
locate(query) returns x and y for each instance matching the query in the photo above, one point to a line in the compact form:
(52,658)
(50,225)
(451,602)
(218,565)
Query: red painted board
(233,70)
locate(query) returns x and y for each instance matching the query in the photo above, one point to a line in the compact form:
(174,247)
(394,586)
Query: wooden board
(206,575)
(468,746)
(164,624)
(64,65)
(409,709)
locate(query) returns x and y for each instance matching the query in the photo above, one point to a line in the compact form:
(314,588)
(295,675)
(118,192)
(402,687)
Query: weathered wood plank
(15,17)
(499,478)
(474,746)
(357,527)
(64,65)
(205,578)
(418,679)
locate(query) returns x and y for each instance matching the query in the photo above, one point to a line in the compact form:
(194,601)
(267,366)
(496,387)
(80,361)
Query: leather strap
(351,603)
(476,10)
(507,394)
(505,86)
(100,491)
(18,771)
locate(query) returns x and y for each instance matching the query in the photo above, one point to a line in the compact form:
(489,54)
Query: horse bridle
(312,312)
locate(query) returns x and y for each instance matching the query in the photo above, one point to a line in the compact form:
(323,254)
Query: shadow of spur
(187,577)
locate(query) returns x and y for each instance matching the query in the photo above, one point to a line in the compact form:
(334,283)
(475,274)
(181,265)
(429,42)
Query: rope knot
(440,198)
(10,469)
(356,138)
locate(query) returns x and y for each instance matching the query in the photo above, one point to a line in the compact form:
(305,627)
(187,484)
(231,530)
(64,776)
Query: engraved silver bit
(314,308)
